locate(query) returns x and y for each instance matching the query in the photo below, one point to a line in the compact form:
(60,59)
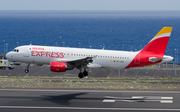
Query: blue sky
(89,4)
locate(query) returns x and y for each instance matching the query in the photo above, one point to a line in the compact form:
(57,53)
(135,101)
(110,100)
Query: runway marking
(86,108)
(166,101)
(140,99)
(170,98)
(161,99)
(106,100)
(137,97)
(153,97)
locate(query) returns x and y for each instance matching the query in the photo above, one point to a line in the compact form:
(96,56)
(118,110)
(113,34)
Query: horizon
(90,5)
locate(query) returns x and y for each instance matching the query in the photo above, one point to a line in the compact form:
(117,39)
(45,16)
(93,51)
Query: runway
(48,100)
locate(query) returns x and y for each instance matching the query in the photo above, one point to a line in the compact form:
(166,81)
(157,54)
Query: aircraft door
(26,52)
(137,59)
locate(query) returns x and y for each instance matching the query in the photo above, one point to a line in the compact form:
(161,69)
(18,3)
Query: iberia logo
(60,65)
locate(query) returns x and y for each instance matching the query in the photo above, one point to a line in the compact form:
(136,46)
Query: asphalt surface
(139,72)
(48,100)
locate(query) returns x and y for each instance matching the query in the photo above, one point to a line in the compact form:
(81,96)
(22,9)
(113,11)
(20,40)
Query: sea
(111,30)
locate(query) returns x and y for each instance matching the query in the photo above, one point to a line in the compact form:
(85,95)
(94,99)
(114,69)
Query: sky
(89,4)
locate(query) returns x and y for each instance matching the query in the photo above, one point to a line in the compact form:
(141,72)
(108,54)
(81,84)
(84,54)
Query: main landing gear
(27,68)
(84,74)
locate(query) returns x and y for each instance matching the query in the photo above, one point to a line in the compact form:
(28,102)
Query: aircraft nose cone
(8,55)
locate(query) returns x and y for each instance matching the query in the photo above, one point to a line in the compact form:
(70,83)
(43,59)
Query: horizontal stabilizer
(164,59)
(154,59)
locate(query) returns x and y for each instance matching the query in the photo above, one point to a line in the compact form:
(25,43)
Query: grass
(119,83)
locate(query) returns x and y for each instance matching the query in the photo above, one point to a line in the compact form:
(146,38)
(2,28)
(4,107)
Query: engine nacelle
(60,66)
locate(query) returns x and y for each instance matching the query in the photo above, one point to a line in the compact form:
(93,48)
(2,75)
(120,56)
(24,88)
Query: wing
(81,61)
(86,62)
(76,62)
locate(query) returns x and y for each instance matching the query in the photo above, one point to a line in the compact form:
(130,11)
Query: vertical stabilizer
(159,43)
(154,51)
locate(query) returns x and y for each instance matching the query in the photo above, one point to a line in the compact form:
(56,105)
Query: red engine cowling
(58,66)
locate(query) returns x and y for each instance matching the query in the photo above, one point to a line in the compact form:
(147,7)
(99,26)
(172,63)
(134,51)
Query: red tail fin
(158,44)
(154,49)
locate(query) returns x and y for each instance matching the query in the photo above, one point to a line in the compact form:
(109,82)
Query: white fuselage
(103,58)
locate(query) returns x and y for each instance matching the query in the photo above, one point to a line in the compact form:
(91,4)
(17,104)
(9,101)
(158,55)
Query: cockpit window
(16,50)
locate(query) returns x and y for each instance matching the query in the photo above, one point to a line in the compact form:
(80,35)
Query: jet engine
(60,66)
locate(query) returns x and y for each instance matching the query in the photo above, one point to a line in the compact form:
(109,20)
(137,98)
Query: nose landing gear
(27,68)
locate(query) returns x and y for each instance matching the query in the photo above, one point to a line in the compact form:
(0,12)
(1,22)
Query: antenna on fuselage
(103,46)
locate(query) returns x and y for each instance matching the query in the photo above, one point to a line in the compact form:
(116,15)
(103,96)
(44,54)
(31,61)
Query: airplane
(63,58)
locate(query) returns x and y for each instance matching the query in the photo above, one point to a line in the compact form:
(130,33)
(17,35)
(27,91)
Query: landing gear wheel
(26,71)
(85,73)
(80,75)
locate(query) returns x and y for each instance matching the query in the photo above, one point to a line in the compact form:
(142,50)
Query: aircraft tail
(158,44)
(154,51)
